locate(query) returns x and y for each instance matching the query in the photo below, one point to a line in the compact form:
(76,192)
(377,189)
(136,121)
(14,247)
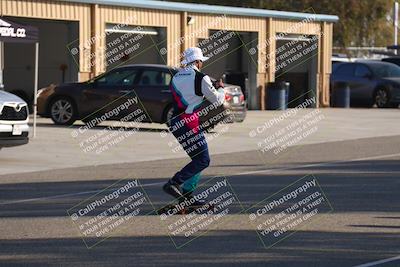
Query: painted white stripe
(237,174)
(316,164)
(374,263)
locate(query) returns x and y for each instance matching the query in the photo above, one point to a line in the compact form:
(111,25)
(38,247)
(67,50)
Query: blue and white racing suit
(189,88)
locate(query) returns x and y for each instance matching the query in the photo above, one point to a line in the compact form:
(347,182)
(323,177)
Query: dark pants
(196,147)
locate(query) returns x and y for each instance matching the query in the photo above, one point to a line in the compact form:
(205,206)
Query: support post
(36,87)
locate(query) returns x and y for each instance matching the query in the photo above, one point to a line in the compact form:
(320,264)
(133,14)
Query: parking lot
(199,133)
(55,148)
(353,155)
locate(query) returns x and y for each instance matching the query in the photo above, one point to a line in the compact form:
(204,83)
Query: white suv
(14,127)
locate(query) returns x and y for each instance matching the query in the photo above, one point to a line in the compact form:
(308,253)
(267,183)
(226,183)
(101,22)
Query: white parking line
(317,164)
(237,174)
(374,263)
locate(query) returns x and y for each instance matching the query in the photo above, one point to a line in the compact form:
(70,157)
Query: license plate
(17,130)
(236,99)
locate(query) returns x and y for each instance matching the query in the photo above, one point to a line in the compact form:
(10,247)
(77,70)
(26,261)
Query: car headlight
(40,91)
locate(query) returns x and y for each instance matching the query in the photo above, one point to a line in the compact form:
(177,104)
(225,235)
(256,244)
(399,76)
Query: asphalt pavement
(358,224)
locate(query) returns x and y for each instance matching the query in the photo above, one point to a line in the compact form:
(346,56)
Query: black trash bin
(277,95)
(341,95)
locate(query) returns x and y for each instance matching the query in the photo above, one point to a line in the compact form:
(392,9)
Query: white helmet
(192,54)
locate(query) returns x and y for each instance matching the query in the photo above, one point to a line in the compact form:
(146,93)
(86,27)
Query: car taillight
(228,97)
(241,98)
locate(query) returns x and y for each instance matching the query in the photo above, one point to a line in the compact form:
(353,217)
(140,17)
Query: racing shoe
(172,188)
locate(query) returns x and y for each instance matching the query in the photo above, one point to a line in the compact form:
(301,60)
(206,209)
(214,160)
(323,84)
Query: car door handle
(166,91)
(124,91)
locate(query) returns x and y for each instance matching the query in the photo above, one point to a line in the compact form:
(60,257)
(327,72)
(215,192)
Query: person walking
(190,88)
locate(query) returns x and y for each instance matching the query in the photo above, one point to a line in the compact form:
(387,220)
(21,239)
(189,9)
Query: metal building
(78,36)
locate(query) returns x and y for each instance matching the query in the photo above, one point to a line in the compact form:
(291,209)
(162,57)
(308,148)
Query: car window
(362,71)
(155,78)
(335,65)
(345,69)
(118,77)
(392,60)
(385,70)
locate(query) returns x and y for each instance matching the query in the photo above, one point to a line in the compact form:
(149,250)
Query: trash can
(341,95)
(277,95)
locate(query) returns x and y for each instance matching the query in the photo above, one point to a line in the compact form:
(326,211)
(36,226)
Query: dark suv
(66,103)
(370,82)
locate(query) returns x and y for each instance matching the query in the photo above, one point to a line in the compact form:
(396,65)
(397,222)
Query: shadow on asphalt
(222,248)
(347,190)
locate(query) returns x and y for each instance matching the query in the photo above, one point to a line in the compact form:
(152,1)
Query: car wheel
(63,111)
(382,98)
(169,114)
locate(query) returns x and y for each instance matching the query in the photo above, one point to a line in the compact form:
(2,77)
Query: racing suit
(189,87)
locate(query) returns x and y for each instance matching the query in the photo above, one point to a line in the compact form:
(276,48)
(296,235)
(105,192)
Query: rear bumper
(238,113)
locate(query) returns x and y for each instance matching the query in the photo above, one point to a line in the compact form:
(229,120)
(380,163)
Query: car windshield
(383,70)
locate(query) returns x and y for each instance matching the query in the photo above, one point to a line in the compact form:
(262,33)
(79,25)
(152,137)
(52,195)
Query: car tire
(62,111)
(168,115)
(382,98)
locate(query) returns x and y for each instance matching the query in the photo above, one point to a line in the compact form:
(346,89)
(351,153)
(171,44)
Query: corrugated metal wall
(324,31)
(141,17)
(298,27)
(97,16)
(204,22)
(53,10)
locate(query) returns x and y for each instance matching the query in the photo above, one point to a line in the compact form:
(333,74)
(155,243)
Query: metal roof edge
(213,9)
